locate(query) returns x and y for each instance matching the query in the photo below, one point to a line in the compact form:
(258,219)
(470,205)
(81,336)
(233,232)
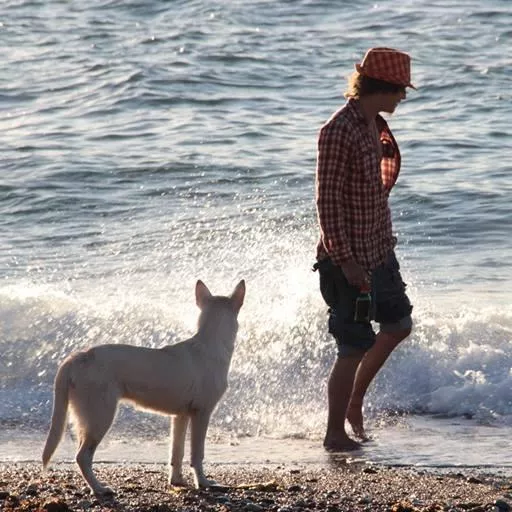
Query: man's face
(390,100)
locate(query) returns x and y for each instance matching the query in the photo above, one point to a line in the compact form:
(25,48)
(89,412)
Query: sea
(146,145)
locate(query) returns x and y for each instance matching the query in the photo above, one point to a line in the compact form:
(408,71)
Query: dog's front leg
(199,426)
(179,426)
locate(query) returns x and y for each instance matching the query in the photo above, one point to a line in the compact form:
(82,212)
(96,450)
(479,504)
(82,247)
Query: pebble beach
(339,486)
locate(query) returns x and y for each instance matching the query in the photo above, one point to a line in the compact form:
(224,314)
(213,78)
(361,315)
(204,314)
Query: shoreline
(341,486)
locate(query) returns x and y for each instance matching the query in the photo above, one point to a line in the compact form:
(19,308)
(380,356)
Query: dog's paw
(205,483)
(104,493)
(178,481)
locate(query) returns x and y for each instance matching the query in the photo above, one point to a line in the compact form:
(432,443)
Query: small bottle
(363,307)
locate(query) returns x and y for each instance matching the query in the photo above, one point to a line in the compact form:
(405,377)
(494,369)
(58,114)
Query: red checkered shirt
(353,182)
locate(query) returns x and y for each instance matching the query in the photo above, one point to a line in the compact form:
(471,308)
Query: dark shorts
(391,307)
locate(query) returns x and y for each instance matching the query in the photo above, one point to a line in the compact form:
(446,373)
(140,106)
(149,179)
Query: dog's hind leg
(199,426)
(84,458)
(178,434)
(93,419)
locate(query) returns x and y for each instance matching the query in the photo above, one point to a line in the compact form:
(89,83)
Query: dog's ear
(202,294)
(238,295)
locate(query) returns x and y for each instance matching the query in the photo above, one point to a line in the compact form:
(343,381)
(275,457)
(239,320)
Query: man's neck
(369,107)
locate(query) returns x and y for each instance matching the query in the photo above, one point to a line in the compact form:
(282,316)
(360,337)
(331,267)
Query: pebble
(222,499)
(365,500)
(32,490)
(56,506)
(84,505)
(253,507)
(502,505)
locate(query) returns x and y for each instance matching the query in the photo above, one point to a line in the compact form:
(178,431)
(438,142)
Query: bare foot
(355,418)
(340,444)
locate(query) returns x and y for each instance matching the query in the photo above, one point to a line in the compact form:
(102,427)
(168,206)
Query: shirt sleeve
(333,157)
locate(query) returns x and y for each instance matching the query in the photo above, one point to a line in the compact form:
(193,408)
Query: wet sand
(337,487)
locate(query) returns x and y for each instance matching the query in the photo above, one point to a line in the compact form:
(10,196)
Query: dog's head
(219,313)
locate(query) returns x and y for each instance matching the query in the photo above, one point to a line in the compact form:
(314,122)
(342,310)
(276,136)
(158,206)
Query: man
(358,163)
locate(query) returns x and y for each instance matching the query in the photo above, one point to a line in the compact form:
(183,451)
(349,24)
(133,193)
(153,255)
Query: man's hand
(356,275)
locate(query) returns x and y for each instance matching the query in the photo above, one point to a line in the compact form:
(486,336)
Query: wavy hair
(361,85)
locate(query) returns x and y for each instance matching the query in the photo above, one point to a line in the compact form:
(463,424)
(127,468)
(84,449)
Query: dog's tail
(59,414)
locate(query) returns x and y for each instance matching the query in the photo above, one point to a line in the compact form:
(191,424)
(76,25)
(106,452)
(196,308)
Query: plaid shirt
(353,182)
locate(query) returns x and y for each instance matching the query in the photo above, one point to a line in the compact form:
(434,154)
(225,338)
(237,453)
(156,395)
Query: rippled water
(146,145)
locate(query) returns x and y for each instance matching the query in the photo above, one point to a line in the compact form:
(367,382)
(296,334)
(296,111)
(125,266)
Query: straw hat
(386,64)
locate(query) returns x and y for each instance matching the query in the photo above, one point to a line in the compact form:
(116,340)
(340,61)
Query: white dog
(185,380)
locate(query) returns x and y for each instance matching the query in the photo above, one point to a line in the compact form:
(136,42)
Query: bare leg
(178,433)
(372,362)
(339,389)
